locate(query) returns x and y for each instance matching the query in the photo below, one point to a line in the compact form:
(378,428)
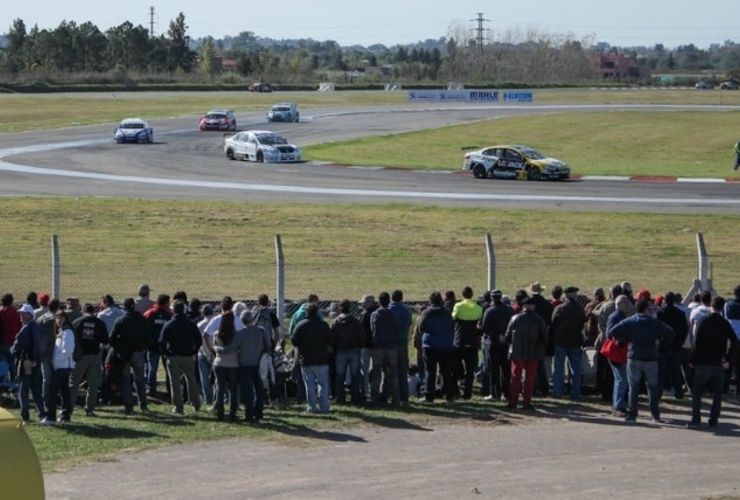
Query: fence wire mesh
(334,277)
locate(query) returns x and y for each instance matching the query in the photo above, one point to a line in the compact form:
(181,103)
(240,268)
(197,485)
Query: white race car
(261,146)
(134,130)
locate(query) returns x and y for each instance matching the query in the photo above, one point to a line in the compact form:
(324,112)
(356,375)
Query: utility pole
(479,31)
(151,22)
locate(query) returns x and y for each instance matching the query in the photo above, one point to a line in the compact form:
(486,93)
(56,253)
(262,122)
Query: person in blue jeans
(29,347)
(619,370)
(568,321)
(716,344)
(312,338)
(644,334)
(347,337)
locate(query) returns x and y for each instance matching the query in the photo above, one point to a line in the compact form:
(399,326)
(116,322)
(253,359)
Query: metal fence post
(491,262)
(280,292)
(55,266)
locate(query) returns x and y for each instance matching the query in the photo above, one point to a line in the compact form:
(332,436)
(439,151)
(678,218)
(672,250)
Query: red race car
(218,119)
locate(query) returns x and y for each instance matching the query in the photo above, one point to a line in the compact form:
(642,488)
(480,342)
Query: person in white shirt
(206,355)
(63,363)
(699,314)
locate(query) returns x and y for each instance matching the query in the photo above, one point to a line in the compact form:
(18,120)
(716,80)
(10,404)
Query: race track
(187,164)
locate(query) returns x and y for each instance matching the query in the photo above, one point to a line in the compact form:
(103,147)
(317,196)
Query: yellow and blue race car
(514,162)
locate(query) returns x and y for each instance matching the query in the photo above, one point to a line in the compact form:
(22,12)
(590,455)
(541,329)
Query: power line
(480,30)
(151,22)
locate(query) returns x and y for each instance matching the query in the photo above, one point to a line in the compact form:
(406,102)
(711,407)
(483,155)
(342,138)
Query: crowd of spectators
(232,355)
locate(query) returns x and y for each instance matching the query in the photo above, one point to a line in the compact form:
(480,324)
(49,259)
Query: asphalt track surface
(190,165)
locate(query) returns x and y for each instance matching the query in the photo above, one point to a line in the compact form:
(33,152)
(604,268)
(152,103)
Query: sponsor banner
(489,96)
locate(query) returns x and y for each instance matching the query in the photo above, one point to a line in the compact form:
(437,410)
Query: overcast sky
(622,23)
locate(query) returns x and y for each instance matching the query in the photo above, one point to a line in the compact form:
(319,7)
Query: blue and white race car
(261,146)
(134,130)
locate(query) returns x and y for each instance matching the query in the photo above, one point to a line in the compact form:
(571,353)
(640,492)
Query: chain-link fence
(86,273)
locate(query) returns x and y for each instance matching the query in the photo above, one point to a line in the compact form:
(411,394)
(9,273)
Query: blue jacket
(614,319)
(643,333)
(403,321)
(437,328)
(732,313)
(31,334)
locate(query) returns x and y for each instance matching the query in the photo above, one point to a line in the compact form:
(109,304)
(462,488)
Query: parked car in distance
(260,87)
(134,130)
(729,85)
(218,119)
(284,112)
(704,85)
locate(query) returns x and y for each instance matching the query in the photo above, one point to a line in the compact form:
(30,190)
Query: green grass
(684,144)
(212,248)
(22,112)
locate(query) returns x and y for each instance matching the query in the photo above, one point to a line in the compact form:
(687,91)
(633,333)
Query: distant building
(618,67)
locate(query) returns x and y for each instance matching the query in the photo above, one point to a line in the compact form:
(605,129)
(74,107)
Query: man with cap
(91,332)
(568,321)
(28,348)
(43,307)
(527,334)
(495,322)
(543,309)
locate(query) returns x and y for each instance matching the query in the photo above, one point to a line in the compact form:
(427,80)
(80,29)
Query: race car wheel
(230,154)
(233,126)
(479,171)
(297,118)
(260,157)
(151,138)
(533,174)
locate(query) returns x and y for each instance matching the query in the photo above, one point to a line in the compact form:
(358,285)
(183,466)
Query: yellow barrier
(20,470)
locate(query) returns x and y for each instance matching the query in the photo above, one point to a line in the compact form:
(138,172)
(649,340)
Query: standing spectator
(737,155)
(63,362)
(466,314)
(450,300)
(716,344)
(384,352)
(669,364)
(568,321)
(347,336)
(129,339)
(10,321)
(109,314)
(619,370)
(226,364)
(627,291)
(179,343)
(437,335)
(28,348)
(91,333)
(732,313)
(495,322)
(195,310)
(266,317)
(544,363)
(527,334)
(143,302)
(32,299)
(156,317)
(302,311)
(368,308)
(699,314)
(73,309)
(206,353)
(591,331)
(43,306)
(48,324)
(604,368)
(557,296)
(519,297)
(644,333)
(312,337)
(403,320)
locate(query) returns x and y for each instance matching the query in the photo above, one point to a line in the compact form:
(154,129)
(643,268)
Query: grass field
(211,248)
(681,143)
(21,112)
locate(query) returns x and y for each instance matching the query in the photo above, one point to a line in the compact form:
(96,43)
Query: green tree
(180,56)
(208,57)
(16,51)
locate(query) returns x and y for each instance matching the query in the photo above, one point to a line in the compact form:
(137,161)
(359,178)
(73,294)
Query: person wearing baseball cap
(28,349)
(43,307)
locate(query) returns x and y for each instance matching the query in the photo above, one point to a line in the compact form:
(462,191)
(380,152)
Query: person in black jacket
(369,306)
(543,309)
(91,333)
(669,363)
(495,322)
(566,332)
(384,353)
(347,336)
(312,337)
(710,359)
(130,339)
(179,343)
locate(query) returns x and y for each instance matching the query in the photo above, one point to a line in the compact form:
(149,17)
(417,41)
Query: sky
(391,22)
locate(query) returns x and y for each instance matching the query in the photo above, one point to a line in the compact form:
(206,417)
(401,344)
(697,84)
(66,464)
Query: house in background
(618,67)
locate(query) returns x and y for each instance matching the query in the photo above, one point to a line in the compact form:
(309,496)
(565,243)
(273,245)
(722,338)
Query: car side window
(251,139)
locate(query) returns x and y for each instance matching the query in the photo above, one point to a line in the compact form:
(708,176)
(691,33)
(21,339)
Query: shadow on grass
(101,431)
(291,428)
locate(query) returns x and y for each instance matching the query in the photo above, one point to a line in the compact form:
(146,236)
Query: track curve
(187,164)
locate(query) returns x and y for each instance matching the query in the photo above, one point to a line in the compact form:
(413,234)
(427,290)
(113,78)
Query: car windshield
(532,153)
(281,108)
(216,115)
(270,139)
(132,125)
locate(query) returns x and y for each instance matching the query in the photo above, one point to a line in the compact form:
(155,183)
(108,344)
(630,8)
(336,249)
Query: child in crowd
(414,381)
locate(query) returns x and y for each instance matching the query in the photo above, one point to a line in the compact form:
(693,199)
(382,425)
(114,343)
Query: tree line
(127,51)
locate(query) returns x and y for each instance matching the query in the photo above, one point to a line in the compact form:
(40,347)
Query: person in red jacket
(157,316)
(10,325)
